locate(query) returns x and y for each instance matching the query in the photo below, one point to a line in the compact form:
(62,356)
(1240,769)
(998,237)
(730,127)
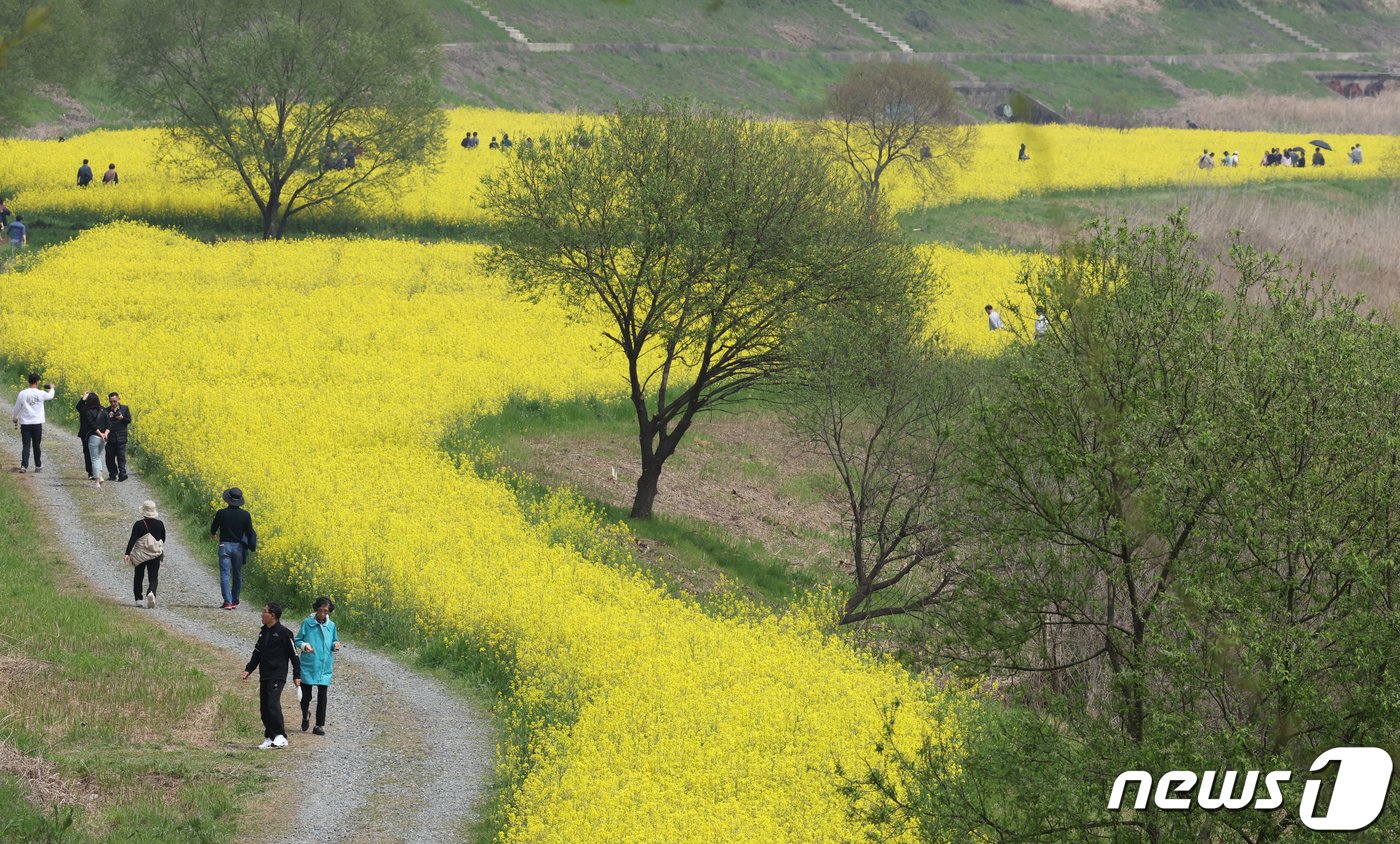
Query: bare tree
(878,400)
(894,115)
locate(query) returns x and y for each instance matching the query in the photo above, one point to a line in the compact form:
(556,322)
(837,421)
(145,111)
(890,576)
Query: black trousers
(150,567)
(87,458)
(30,436)
(116,459)
(270,700)
(306,690)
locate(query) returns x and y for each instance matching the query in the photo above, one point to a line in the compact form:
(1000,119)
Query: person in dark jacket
(84,174)
(275,648)
(120,416)
(88,407)
(232,528)
(147,524)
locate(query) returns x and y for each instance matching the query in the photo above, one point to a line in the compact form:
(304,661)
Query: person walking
(29,419)
(146,550)
(1042,323)
(110,177)
(87,407)
(318,642)
(18,232)
(120,416)
(232,528)
(271,654)
(993,319)
(84,174)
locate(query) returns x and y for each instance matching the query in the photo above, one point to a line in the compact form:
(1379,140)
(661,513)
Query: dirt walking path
(403,758)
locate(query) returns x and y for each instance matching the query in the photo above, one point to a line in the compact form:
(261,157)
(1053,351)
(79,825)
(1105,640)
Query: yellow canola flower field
(968,282)
(40,176)
(321,376)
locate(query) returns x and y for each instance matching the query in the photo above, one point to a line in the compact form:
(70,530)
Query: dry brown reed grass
(43,785)
(1323,116)
(1353,247)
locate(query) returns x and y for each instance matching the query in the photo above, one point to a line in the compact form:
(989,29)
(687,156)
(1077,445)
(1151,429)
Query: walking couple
(103,434)
(311,655)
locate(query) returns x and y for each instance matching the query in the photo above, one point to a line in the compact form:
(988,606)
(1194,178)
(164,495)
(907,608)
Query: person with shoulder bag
(146,550)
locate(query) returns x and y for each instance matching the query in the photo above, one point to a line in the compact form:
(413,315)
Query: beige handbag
(147,547)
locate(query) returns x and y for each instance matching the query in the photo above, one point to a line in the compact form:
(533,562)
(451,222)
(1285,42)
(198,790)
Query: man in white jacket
(29,419)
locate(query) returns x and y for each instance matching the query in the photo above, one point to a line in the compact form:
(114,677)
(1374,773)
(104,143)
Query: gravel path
(403,759)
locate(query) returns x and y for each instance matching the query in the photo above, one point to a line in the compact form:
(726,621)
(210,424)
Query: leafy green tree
(703,240)
(1182,546)
(58,42)
(294,103)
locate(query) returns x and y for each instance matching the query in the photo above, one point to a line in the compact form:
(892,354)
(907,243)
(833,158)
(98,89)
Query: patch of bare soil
(798,36)
(743,473)
(75,118)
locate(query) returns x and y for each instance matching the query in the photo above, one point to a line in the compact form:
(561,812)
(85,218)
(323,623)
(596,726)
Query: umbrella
(1322,144)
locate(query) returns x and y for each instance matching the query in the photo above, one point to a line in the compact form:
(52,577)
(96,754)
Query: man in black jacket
(120,416)
(275,648)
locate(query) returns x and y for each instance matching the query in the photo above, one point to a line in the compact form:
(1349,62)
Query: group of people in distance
(471,140)
(1042,322)
(110,177)
(310,654)
(1295,157)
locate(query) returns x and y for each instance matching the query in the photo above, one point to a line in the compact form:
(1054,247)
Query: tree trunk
(646,489)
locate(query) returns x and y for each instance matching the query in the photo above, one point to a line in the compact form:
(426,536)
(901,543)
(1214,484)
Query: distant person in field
(146,554)
(1206,161)
(121,419)
(274,650)
(29,419)
(19,234)
(110,177)
(84,174)
(506,142)
(495,144)
(1235,158)
(1042,323)
(232,528)
(4,214)
(467,141)
(1318,160)
(1022,155)
(994,319)
(1355,158)
(925,153)
(318,642)
(529,142)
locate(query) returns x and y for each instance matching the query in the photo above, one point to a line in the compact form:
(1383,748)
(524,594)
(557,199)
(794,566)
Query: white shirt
(1042,325)
(994,320)
(29,406)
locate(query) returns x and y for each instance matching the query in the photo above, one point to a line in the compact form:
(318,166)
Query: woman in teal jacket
(318,642)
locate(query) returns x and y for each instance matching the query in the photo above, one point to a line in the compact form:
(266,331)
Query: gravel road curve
(403,759)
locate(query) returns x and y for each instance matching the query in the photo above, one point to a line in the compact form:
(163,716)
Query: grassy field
(772,24)
(113,729)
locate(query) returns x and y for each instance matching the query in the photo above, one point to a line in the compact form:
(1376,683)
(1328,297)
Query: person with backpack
(146,550)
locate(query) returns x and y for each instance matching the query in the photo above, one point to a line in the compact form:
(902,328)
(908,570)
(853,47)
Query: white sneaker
(140,604)
(280,741)
(267,744)
(150,600)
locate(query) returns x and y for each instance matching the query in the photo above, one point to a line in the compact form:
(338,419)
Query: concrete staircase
(515,34)
(879,30)
(1283,27)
